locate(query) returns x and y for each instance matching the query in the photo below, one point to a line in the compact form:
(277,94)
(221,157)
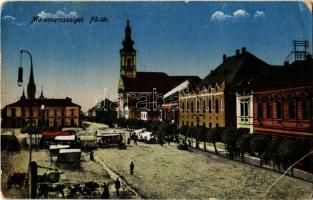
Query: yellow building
(45,113)
(212,102)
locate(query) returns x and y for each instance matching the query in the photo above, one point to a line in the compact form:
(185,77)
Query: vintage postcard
(157,100)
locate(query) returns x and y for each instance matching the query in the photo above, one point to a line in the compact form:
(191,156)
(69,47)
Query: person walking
(117,186)
(132,166)
(106,193)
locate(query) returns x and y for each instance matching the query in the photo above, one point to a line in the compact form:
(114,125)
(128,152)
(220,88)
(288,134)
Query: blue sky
(80,60)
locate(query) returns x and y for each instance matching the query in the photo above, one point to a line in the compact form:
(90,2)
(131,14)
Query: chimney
(243,50)
(224,58)
(237,52)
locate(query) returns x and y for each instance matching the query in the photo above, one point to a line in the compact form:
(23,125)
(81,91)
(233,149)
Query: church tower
(128,55)
(31,87)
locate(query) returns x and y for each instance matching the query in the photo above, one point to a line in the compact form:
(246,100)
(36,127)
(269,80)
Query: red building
(283,103)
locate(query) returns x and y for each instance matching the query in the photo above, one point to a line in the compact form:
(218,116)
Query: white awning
(70,151)
(178,88)
(59,146)
(65,138)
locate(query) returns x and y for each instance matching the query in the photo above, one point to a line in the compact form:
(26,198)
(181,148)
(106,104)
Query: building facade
(48,113)
(283,101)
(212,102)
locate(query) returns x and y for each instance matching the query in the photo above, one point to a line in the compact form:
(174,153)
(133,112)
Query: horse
(17,179)
(45,188)
(91,187)
(76,188)
(52,177)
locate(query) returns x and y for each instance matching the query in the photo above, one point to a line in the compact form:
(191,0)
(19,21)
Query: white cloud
(57,14)
(240,13)
(219,16)
(260,14)
(8,17)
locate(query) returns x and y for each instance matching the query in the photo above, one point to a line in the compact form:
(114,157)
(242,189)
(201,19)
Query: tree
(214,135)
(229,137)
(183,130)
(203,135)
(243,143)
(259,144)
(289,152)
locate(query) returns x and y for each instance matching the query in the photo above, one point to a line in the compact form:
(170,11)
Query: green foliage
(260,143)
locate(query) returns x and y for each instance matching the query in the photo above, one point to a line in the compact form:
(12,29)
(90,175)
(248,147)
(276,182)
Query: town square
(157,100)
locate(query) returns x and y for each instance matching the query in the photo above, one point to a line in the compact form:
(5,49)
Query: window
(210,106)
(183,106)
(292,110)
(197,105)
(55,113)
(216,106)
(187,106)
(244,108)
(204,104)
(260,110)
(129,62)
(210,125)
(13,112)
(23,112)
(216,125)
(269,110)
(192,106)
(305,109)
(279,110)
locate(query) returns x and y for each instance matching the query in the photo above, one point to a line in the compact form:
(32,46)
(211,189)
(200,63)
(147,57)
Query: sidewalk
(253,161)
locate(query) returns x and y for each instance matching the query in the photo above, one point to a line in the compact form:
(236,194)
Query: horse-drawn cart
(69,156)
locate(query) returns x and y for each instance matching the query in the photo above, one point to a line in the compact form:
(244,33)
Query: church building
(141,93)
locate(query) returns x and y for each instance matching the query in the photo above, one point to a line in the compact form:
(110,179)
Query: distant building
(103,112)
(212,102)
(140,93)
(42,112)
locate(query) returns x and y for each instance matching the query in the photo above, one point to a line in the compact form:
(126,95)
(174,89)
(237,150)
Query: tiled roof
(299,73)
(147,81)
(236,69)
(47,102)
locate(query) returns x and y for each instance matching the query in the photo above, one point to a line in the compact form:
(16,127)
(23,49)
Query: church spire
(23,97)
(128,55)
(31,87)
(41,94)
(128,43)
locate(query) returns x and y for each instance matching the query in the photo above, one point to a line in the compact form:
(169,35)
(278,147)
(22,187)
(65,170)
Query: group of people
(132,137)
(117,183)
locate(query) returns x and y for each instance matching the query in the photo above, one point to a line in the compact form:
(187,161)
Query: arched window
(129,62)
(210,106)
(204,104)
(216,106)
(197,105)
(192,106)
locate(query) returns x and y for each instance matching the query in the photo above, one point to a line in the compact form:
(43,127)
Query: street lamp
(43,124)
(32,166)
